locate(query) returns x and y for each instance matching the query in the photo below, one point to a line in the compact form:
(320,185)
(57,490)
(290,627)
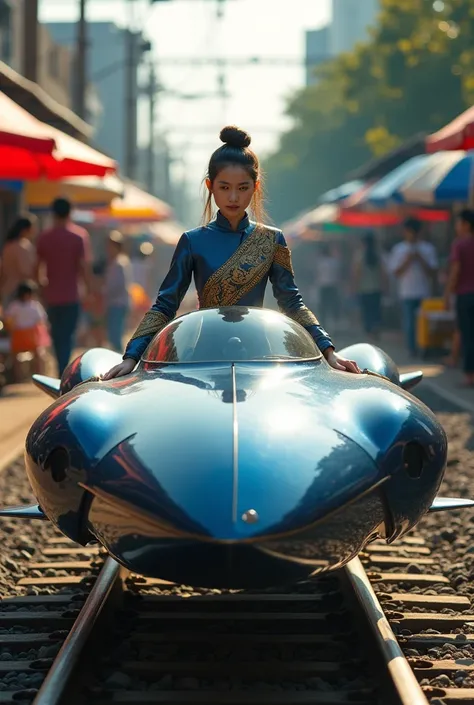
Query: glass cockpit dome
(231,334)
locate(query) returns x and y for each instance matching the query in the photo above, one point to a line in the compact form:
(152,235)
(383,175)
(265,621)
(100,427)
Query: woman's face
(232,189)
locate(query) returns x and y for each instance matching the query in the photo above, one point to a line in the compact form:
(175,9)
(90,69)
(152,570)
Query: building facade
(108,52)
(317,51)
(350,21)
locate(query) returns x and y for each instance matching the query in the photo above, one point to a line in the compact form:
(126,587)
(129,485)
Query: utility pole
(30,40)
(131,102)
(152,89)
(81,57)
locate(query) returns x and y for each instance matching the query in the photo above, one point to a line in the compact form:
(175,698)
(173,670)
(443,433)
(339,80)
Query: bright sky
(190,29)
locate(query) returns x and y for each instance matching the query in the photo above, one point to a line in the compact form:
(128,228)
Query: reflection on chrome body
(234,455)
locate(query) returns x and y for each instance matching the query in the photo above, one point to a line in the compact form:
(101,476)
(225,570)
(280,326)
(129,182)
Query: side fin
(28,511)
(408,380)
(440,504)
(50,385)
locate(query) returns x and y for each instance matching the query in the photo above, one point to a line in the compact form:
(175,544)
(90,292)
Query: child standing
(26,322)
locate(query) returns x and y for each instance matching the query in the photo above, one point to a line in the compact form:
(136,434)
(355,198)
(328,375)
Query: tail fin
(408,380)
(440,504)
(28,511)
(50,385)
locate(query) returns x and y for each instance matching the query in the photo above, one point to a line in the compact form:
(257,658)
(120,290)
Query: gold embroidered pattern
(303,316)
(152,322)
(282,257)
(241,272)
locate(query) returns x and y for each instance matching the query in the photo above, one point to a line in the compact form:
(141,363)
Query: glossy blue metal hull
(244,474)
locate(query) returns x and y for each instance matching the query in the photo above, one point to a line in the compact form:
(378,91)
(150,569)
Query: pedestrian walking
(461,284)
(368,276)
(413,262)
(118,279)
(63,262)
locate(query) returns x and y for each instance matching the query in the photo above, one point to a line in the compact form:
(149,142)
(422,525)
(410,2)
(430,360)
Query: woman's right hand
(123,368)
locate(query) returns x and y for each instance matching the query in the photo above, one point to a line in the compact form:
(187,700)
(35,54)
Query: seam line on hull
(235,448)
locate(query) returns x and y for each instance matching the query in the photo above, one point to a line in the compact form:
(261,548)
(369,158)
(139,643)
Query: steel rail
(58,676)
(407,687)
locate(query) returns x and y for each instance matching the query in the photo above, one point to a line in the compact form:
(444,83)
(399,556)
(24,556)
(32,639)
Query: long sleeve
(168,301)
(288,297)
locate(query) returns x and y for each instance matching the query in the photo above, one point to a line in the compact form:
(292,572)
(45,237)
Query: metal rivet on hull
(250,516)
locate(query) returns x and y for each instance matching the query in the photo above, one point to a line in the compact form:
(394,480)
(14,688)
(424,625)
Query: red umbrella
(20,130)
(458,134)
(30,149)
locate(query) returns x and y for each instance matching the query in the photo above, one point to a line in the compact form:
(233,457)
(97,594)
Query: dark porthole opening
(58,464)
(414,460)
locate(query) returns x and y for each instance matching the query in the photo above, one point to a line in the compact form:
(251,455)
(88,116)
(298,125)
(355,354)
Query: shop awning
(34,99)
(458,134)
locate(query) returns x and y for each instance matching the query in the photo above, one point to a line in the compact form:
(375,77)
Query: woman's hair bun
(235,137)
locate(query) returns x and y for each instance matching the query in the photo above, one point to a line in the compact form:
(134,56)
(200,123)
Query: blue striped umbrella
(445,178)
(387,190)
(428,179)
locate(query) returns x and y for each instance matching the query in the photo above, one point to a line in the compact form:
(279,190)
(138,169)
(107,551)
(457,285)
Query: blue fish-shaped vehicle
(233,455)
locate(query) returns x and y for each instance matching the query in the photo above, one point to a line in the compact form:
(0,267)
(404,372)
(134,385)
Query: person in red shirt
(63,262)
(461,284)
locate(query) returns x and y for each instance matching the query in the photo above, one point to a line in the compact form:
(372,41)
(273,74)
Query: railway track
(319,645)
(390,628)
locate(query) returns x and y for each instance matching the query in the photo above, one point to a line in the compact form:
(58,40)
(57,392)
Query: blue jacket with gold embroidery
(230,267)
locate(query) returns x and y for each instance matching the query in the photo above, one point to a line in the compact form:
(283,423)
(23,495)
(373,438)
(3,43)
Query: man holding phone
(414,263)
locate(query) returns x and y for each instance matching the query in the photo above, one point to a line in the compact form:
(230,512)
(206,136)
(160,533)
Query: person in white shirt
(413,262)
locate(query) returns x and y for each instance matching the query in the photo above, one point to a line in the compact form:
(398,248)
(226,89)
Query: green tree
(414,74)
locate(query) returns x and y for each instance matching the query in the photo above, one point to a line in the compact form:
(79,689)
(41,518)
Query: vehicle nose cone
(286,483)
(267,489)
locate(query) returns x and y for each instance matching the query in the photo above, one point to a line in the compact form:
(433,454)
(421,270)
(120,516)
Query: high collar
(221,222)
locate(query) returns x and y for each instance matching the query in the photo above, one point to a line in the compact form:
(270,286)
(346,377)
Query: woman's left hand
(340,363)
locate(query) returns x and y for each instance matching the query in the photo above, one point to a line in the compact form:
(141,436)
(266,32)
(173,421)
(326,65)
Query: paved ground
(20,404)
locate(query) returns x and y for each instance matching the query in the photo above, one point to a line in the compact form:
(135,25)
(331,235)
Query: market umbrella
(458,134)
(337,218)
(83,191)
(136,205)
(387,191)
(30,149)
(443,178)
(21,131)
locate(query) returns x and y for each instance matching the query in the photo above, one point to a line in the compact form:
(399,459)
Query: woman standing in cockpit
(231,257)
